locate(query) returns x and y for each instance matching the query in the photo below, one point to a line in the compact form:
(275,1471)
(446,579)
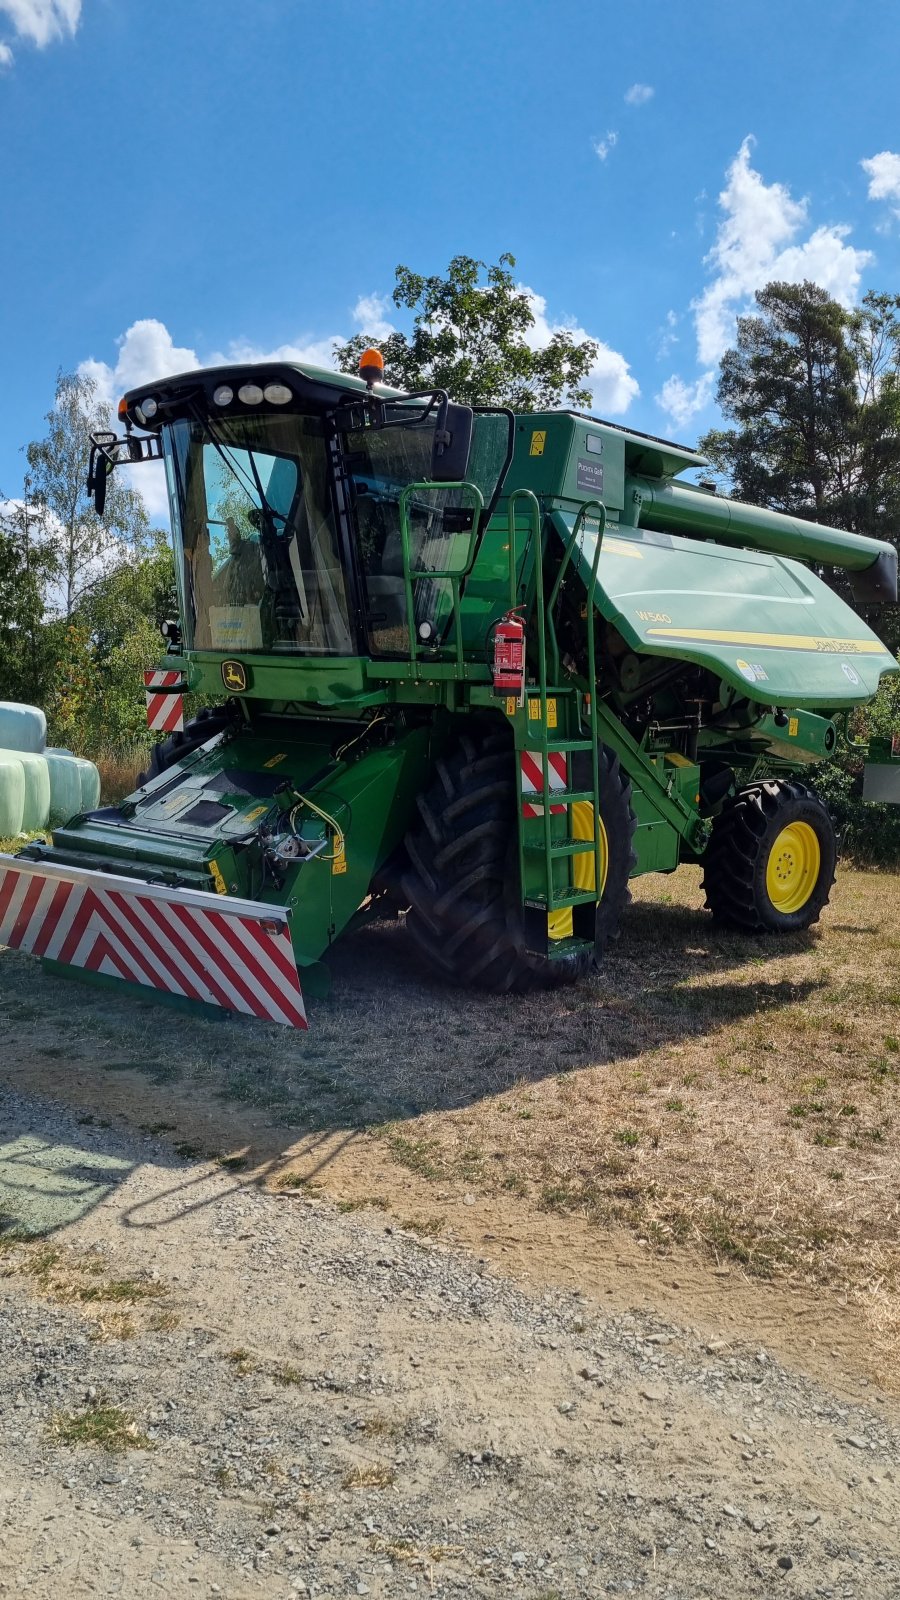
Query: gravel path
(329,1406)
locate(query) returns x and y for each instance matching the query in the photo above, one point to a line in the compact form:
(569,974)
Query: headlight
(223,396)
(251,394)
(277,394)
(149,408)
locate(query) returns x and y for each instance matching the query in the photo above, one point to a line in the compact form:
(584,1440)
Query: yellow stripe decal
(774,641)
(620,547)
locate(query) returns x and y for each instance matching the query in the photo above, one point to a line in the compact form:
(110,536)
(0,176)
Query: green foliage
(27,566)
(870,834)
(470,337)
(814,393)
(96,701)
(58,466)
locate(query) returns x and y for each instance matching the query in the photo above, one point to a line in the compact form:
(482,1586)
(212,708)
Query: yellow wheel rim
(793,867)
(584,875)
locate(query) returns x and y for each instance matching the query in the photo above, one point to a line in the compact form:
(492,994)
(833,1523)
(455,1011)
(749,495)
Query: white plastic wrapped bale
(90,783)
(36,811)
(12,796)
(65,787)
(22,727)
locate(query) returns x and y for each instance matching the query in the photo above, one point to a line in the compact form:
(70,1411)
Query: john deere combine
(483,667)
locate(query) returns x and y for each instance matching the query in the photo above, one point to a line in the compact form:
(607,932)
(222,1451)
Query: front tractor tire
(461,879)
(770,862)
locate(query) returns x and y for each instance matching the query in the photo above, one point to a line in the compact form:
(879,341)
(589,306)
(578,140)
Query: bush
(869,834)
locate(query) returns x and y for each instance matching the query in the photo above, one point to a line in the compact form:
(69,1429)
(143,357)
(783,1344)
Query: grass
(701,1091)
(372,1475)
(106,1427)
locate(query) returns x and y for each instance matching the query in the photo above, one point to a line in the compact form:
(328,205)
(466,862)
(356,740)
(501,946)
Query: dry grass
(119,769)
(372,1475)
(734,1095)
(107,1427)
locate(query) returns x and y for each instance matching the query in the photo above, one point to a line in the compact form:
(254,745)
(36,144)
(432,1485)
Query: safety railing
(454,575)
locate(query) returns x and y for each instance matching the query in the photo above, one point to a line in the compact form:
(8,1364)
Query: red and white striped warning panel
(233,953)
(533,779)
(165,701)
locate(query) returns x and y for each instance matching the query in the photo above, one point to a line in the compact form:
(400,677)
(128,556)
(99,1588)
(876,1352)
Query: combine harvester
(481,666)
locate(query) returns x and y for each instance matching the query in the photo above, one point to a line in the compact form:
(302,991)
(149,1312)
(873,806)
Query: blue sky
(183,183)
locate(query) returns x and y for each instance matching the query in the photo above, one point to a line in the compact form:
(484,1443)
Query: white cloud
(639,94)
(146,352)
(39,21)
(612,386)
(757,242)
(884,177)
(681,401)
(602,147)
(370,315)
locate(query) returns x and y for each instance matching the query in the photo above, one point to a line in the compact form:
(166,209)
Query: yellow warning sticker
(274,760)
(793,727)
(512,705)
(257,811)
(215,873)
(538,440)
(534,712)
(339,859)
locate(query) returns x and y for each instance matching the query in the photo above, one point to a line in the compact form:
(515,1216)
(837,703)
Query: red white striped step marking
(165,710)
(225,952)
(533,779)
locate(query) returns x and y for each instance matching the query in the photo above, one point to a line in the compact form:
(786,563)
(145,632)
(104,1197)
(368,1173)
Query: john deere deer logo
(234,676)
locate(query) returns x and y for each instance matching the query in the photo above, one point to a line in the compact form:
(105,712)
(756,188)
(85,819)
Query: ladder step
(567,745)
(558,797)
(559,902)
(568,847)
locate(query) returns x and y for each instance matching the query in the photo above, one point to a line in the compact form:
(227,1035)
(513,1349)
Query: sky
(217,179)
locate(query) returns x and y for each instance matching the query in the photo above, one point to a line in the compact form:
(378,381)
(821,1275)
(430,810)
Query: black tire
(461,877)
(745,839)
(209,721)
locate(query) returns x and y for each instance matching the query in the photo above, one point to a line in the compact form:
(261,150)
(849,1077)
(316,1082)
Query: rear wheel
(461,881)
(769,865)
(209,721)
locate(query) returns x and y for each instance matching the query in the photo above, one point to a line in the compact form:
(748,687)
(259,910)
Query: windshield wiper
(249,487)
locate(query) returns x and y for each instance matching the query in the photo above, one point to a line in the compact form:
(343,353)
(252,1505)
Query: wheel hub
(793,867)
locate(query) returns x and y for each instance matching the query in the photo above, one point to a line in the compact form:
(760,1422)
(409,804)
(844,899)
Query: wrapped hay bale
(90,783)
(65,787)
(22,727)
(36,810)
(12,796)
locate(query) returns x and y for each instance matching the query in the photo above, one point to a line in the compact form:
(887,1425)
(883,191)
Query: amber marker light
(122,409)
(371,366)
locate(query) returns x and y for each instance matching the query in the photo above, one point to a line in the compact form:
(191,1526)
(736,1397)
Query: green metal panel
(763,623)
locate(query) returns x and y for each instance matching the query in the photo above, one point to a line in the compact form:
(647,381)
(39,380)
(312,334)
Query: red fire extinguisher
(509,655)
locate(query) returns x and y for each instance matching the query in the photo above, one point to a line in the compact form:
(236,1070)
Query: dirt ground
(699,1148)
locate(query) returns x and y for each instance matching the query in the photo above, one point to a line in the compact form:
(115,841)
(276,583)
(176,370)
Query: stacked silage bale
(39,787)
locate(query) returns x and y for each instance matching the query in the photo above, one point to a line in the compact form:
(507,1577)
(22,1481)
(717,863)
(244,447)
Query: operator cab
(304,504)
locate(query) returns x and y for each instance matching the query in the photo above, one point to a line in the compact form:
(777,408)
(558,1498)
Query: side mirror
(452,444)
(99,468)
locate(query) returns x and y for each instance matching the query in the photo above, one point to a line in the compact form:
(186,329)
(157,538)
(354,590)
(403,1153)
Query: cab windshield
(260,565)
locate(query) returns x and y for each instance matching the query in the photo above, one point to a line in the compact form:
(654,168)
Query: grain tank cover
(765,624)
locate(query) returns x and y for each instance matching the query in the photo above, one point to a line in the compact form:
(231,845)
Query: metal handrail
(412,575)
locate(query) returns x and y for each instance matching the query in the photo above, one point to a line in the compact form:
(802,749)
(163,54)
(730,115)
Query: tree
(28,564)
(814,392)
(87,544)
(471,337)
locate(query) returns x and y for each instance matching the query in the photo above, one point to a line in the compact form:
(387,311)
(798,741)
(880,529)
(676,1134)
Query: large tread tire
(461,877)
(209,721)
(737,857)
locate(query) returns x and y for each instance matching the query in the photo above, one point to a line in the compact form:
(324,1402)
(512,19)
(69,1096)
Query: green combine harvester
(480,667)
